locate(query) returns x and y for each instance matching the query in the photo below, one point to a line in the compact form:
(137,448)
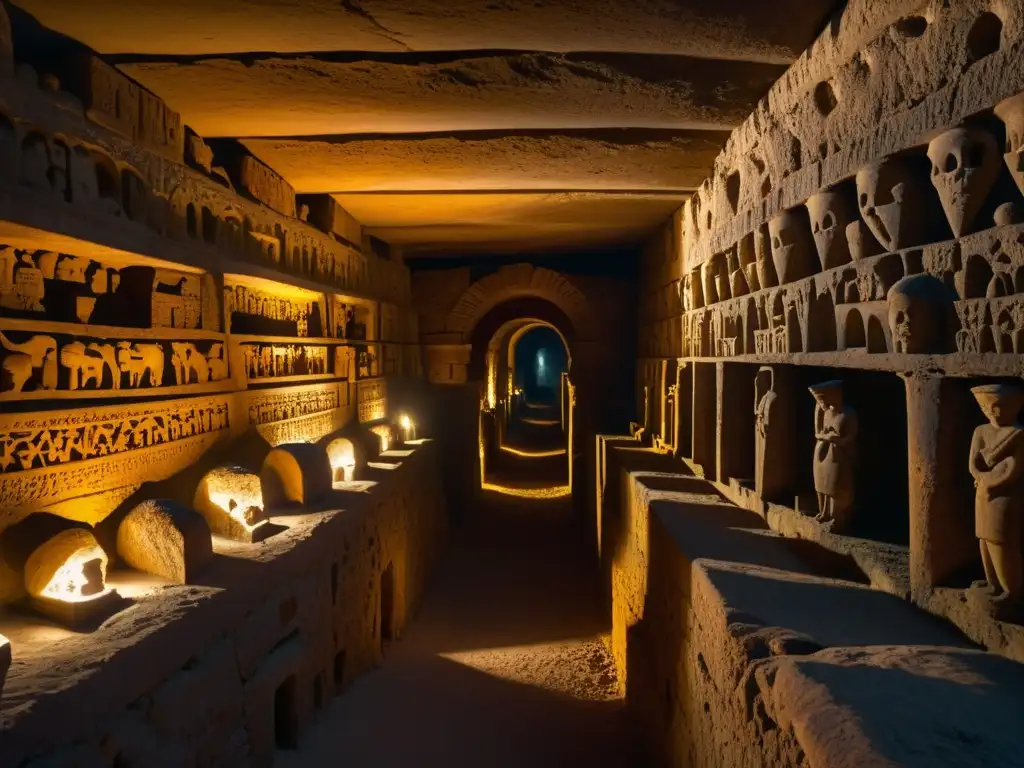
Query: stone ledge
(315,582)
(734,645)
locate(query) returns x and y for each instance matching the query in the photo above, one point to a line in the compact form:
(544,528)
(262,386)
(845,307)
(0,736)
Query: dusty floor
(504,665)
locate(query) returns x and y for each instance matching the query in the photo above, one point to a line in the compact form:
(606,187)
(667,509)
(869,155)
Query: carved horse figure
(17,367)
(108,355)
(217,364)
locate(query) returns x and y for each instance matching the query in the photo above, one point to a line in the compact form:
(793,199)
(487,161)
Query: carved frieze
(269,361)
(265,186)
(372,399)
(53,456)
(266,407)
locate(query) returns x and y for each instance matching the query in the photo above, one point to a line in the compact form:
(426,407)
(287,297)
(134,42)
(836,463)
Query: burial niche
(775,474)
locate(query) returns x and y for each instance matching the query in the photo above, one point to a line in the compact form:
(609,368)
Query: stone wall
(736,646)
(224,671)
(862,226)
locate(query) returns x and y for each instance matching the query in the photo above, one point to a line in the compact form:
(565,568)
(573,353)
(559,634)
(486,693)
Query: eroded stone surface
(166,539)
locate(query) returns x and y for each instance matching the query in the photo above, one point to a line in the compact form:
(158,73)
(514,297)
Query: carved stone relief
(965,165)
(372,400)
(893,202)
(266,361)
(835,455)
(996,464)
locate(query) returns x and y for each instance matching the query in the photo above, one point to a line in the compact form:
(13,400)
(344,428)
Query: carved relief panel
(372,399)
(251,311)
(271,361)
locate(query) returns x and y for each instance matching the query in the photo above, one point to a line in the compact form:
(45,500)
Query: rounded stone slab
(165,538)
(296,473)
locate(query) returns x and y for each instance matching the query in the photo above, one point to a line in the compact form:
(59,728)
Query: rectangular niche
(705,416)
(881,486)
(258,307)
(682,436)
(286,715)
(735,439)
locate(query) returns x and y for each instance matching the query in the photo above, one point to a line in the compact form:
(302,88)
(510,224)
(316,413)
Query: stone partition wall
(227,669)
(737,646)
(825,320)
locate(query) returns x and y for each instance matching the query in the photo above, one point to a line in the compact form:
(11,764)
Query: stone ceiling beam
(493,160)
(319,95)
(774,32)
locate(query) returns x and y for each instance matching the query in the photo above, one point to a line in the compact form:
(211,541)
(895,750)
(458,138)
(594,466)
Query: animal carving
(218,367)
(188,360)
(84,365)
(139,359)
(18,366)
(108,355)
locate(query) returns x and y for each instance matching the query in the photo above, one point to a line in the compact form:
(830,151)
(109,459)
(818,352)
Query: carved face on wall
(892,203)
(1011,112)
(792,249)
(1000,403)
(918,308)
(965,164)
(831,212)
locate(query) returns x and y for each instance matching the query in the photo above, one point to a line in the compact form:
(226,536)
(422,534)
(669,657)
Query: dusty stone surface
(165,539)
(625,159)
(734,30)
(505,664)
(740,647)
(125,690)
(228,97)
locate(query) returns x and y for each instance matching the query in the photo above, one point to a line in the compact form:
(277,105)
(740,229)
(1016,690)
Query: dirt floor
(504,664)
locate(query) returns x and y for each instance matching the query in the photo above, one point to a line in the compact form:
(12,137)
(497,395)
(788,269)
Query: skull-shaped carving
(892,203)
(792,251)
(1011,112)
(965,165)
(831,211)
(919,310)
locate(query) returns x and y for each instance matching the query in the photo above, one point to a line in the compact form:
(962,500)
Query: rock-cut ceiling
(463,126)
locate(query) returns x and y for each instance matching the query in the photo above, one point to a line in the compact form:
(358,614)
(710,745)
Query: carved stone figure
(774,469)
(139,359)
(831,212)
(965,165)
(187,360)
(108,355)
(84,366)
(835,454)
(792,246)
(893,203)
(1011,112)
(997,458)
(920,313)
(18,367)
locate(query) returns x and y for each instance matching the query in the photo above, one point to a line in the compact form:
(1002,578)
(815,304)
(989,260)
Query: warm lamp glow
(408,427)
(533,454)
(80,578)
(553,492)
(406,421)
(247,509)
(383,431)
(70,567)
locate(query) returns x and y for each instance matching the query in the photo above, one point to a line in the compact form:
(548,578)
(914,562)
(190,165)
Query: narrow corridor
(504,663)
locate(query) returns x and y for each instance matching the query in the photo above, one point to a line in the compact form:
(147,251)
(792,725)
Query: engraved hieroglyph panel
(373,400)
(266,407)
(305,429)
(50,457)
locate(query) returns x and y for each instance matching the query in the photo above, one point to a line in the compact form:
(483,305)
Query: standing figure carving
(19,365)
(997,458)
(774,469)
(835,454)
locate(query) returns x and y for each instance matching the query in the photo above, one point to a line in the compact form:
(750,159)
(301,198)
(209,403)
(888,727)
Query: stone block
(263,185)
(110,99)
(166,539)
(231,500)
(296,473)
(274,713)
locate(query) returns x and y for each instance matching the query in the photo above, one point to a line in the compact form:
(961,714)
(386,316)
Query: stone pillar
(682,426)
(942,538)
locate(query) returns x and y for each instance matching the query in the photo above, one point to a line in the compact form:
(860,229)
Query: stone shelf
(109,331)
(306,341)
(297,379)
(177,390)
(958,364)
(34,220)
